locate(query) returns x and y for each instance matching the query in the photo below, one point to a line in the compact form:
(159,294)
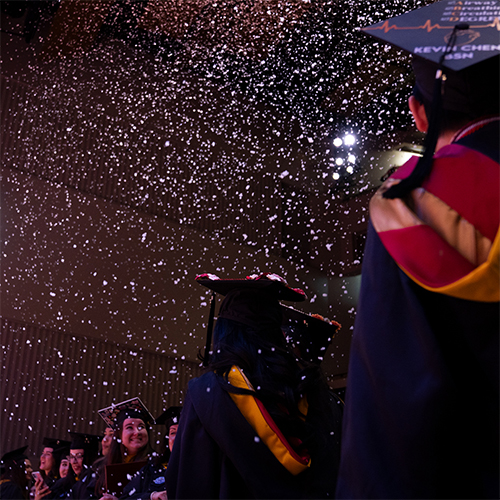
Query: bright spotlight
(336,176)
(349,140)
(337,142)
(339,161)
(350,170)
(351,159)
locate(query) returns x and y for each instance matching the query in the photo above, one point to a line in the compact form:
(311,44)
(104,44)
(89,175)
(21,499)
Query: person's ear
(418,111)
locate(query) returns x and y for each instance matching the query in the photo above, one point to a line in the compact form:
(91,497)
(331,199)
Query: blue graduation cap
(456,48)
(427,32)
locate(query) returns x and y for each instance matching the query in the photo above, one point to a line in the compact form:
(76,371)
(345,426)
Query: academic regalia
(11,491)
(228,444)
(233,461)
(149,479)
(422,400)
(12,463)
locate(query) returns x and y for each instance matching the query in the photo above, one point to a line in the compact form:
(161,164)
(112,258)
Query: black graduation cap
(311,333)
(170,416)
(88,442)
(115,414)
(253,301)
(16,455)
(12,459)
(456,50)
(57,445)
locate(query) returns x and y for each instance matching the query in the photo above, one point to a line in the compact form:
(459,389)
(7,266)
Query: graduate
(15,474)
(258,423)
(422,400)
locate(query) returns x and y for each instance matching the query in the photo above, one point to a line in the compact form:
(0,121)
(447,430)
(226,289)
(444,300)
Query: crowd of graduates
(82,467)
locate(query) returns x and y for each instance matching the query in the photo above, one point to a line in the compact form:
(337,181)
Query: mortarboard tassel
(424,166)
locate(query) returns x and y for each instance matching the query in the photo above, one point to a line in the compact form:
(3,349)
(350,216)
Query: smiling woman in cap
(422,403)
(130,421)
(259,423)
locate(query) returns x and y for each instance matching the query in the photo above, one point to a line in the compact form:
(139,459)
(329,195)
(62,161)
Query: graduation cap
(311,333)
(17,456)
(170,416)
(57,445)
(456,50)
(87,442)
(114,415)
(253,301)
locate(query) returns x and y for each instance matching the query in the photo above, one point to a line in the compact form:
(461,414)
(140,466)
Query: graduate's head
(14,466)
(130,421)
(84,449)
(250,313)
(170,418)
(468,94)
(453,75)
(53,450)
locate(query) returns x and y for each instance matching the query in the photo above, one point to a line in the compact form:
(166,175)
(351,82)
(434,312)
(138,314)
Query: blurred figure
(107,440)
(149,482)
(259,422)
(15,475)
(64,467)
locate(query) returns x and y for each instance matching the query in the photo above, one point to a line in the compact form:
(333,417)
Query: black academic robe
(149,479)
(422,400)
(11,491)
(217,453)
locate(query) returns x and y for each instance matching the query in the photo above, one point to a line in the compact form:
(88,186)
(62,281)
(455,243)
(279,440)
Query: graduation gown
(422,399)
(149,479)
(11,491)
(219,454)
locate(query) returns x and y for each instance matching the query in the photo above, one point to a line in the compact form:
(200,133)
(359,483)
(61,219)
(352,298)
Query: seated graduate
(53,452)
(61,487)
(149,482)
(49,467)
(15,474)
(258,424)
(82,453)
(131,422)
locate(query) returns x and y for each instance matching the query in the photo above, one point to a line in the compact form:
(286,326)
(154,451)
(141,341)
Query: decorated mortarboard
(311,333)
(426,32)
(253,301)
(170,416)
(270,283)
(456,51)
(115,414)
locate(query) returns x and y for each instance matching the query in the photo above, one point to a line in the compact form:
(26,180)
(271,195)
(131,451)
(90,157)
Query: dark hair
(279,378)
(450,120)
(15,471)
(53,474)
